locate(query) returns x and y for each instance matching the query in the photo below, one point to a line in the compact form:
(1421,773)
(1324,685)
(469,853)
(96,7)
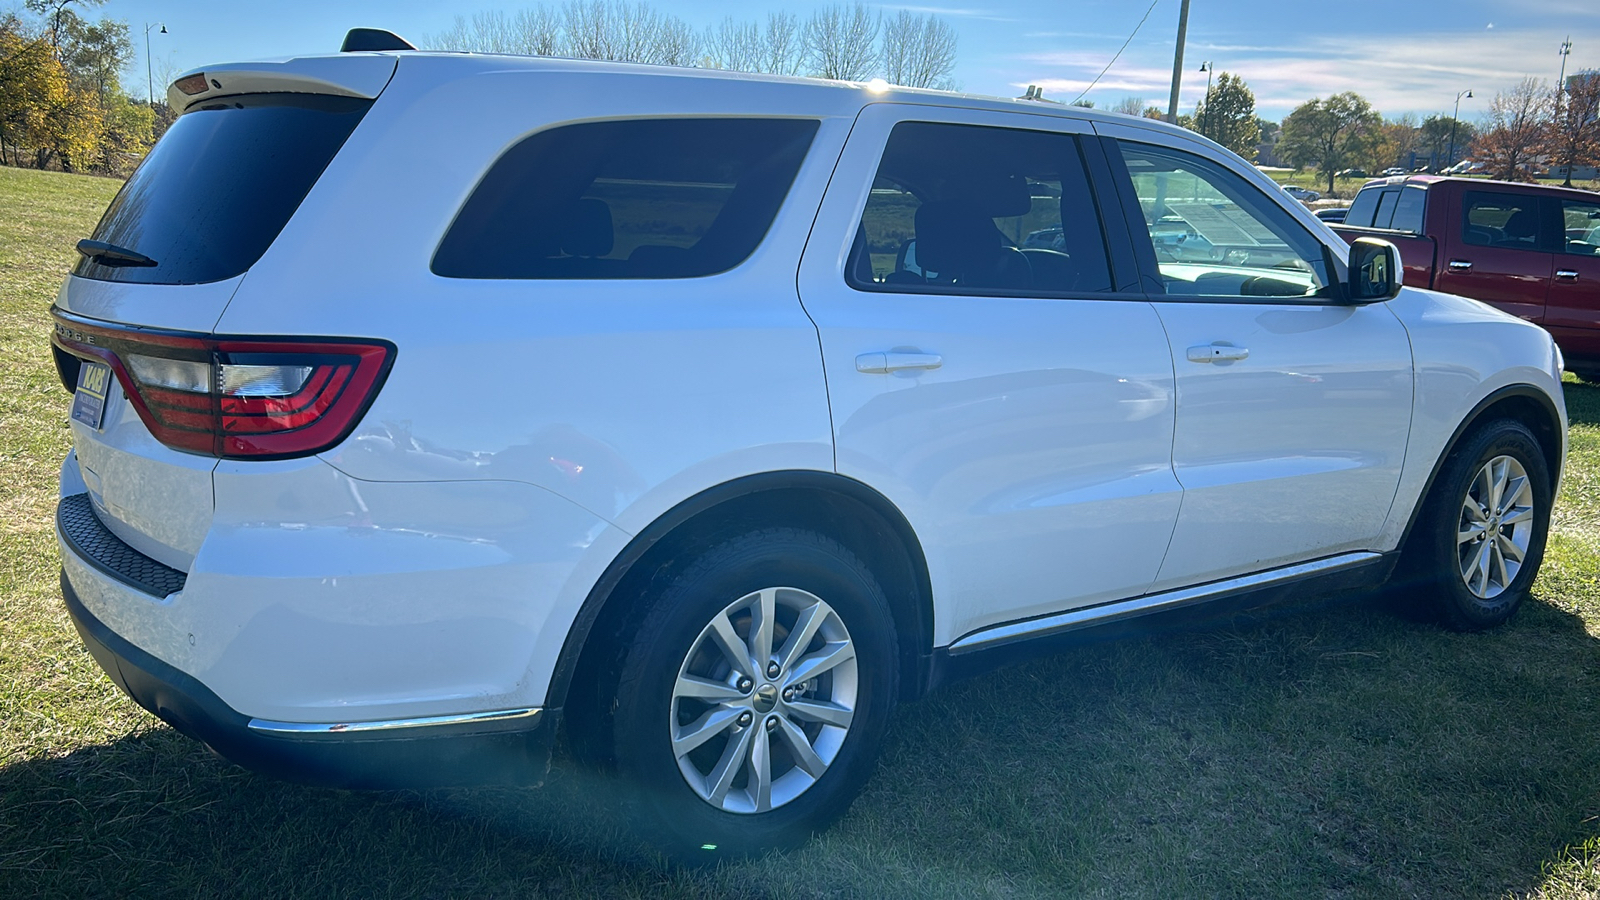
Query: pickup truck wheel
(1486,523)
(753,700)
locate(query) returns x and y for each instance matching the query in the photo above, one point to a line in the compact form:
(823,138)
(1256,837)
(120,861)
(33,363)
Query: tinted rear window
(220,185)
(1362,209)
(649,198)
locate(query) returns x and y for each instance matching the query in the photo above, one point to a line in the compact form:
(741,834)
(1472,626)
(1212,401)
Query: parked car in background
(1332,213)
(1304,195)
(1393,170)
(1531,250)
(1351,173)
(634,418)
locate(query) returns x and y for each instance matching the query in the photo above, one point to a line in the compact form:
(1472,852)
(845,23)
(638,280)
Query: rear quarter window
(220,185)
(648,198)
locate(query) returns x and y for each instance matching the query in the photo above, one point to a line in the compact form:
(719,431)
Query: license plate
(89,400)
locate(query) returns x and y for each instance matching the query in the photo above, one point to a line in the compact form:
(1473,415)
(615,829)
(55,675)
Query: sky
(1404,57)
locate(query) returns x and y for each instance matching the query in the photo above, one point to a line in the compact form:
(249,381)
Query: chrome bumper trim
(496,720)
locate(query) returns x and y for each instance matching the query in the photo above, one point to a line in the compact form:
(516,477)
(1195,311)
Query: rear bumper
(401,755)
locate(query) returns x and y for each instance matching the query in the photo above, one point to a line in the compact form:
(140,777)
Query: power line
(1119,51)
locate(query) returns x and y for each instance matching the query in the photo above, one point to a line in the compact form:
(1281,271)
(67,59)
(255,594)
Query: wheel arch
(849,511)
(1524,403)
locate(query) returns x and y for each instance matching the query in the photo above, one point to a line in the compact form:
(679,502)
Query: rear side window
(1493,219)
(220,185)
(1363,208)
(649,198)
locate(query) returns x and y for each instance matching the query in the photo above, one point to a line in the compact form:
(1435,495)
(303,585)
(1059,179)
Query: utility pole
(1177,62)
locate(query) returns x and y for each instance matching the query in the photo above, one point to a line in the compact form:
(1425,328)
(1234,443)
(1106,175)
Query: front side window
(1217,235)
(978,210)
(1492,219)
(646,198)
(1581,222)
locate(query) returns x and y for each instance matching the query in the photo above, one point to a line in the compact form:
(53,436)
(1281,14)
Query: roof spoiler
(373,39)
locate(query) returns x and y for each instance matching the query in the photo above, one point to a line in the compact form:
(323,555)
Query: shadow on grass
(1335,751)
(1583,402)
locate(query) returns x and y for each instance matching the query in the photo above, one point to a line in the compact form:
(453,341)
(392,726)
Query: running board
(1072,620)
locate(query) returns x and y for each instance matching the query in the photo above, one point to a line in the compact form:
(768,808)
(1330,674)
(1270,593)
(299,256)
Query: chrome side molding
(494,720)
(1072,620)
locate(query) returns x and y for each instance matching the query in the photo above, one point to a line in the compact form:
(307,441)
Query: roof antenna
(368,39)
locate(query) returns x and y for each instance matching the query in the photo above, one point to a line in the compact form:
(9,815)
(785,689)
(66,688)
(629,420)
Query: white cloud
(1415,72)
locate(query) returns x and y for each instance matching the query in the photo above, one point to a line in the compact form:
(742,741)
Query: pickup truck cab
(1531,250)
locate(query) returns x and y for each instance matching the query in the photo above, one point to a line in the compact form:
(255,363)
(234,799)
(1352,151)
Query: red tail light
(234,397)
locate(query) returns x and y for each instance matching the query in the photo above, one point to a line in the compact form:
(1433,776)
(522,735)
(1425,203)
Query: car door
(1573,304)
(1498,254)
(1293,407)
(1005,396)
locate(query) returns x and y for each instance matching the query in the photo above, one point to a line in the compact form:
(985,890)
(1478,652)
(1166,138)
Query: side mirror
(1375,273)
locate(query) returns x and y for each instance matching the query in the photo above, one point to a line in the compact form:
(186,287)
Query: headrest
(1522,224)
(588,231)
(994,194)
(953,238)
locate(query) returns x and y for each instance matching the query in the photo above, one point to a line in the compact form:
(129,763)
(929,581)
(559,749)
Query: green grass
(1314,751)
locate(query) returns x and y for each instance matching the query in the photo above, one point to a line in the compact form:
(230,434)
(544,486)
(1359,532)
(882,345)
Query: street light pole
(1566,49)
(149,86)
(1450,158)
(1205,127)
(1177,62)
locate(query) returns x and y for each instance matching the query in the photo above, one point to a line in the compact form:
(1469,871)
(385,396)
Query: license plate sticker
(89,400)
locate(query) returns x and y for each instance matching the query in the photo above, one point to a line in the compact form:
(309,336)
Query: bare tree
(781,48)
(676,44)
(535,31)
(919,51)
(1129,106)
(838,42)
(632,32)
(735,45)
(1514,130)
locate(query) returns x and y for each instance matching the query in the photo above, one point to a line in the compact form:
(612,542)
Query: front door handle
(1206,353)
(896,361)
(1567,274)
(1461,265)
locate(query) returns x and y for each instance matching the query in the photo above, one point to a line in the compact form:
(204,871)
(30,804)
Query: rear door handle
(896,361)
(1217,353)
(1567,274)
(1460,265)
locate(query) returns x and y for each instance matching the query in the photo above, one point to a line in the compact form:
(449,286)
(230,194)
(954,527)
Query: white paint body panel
(434,562)
(1042,440)
(1293,452)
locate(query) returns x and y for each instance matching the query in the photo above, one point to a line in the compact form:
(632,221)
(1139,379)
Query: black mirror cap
(1375,273)
(370,39)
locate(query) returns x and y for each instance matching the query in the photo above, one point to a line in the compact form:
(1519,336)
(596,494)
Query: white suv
(424,403)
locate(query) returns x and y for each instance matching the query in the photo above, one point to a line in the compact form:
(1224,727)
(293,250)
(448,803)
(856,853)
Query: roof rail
(360,39)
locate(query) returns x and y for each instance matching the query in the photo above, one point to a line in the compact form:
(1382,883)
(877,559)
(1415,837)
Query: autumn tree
(918,51)
(1329,133)
(1575,132)
(1227,115)
(1515,130)
(841,42)
(1392,145)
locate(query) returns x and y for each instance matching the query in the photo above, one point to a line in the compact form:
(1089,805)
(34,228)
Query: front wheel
(1486,523)
(755,694)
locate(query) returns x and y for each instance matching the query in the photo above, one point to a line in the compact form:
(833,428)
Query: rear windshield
(220,185)
(647,198)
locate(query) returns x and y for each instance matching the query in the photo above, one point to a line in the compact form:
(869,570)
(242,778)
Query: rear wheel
(1485,526)
(754,697)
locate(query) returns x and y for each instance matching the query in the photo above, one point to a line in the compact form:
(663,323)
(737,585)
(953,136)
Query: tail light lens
(235,397)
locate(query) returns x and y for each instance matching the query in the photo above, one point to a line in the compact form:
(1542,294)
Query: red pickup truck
(1531,250)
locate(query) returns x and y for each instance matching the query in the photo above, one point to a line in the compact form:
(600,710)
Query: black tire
(669,813)
(1438,556)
